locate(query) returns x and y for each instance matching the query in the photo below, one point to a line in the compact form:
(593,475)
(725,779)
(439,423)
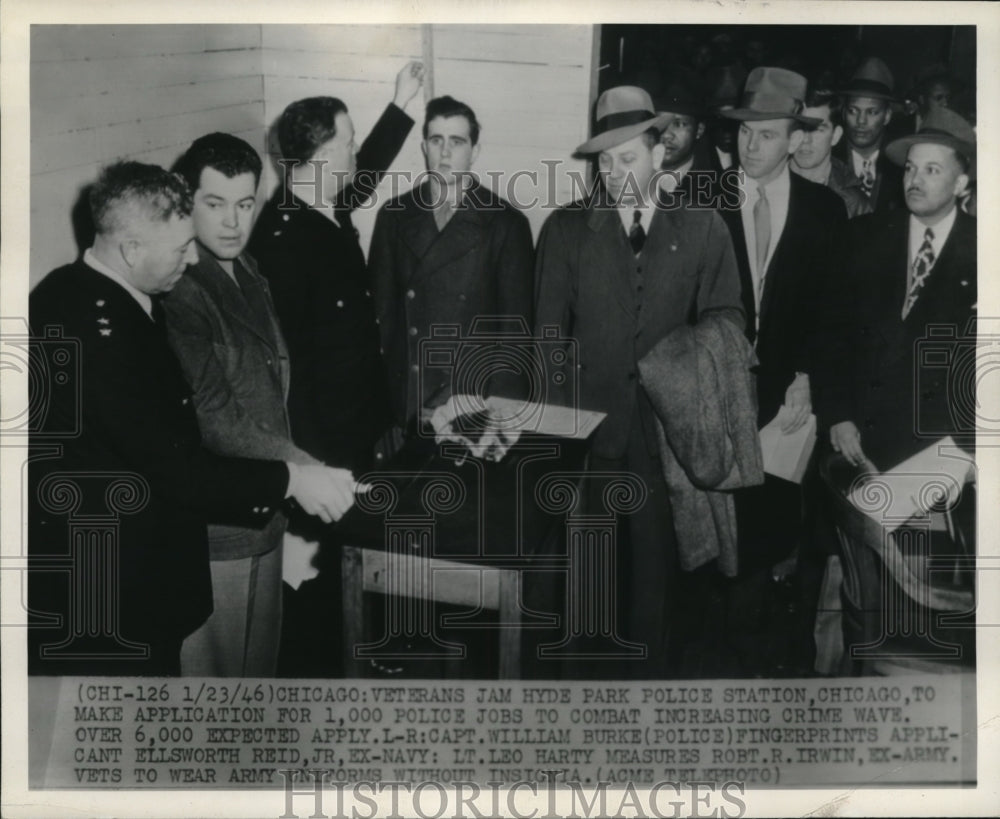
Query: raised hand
(408,82)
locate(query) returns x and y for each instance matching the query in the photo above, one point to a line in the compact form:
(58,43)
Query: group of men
(282,363)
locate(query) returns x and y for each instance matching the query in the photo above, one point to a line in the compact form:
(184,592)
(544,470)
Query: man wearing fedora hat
(690,171)
(868,100)
(785,233)
(617,274)
(906,272)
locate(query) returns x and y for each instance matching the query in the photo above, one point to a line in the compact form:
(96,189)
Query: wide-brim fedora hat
(872,79)
(942,127)
(772,93)
(622,113)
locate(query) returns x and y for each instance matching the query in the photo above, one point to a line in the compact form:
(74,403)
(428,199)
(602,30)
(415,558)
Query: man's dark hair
(451,107)
(818,97)
(307,124)
(155,193)
(225,153)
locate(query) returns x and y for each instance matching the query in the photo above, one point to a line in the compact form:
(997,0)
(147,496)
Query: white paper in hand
(787,455)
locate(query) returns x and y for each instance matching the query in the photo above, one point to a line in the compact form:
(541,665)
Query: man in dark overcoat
(308,250)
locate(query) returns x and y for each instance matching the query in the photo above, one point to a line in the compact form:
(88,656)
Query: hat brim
(898,149)
(869,93)
(616,136)
(750,115)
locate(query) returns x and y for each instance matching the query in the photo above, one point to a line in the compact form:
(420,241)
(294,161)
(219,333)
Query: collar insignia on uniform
(673,246)
(99,302)
(105,331)
(103,320)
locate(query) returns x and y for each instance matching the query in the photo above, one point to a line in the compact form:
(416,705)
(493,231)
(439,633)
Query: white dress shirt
(145,302)
(777,193)
(858,161)
(940,230)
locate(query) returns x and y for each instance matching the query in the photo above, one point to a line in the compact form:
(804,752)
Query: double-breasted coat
(480,265)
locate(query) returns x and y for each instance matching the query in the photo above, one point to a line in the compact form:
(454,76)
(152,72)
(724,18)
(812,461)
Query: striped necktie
(922,264)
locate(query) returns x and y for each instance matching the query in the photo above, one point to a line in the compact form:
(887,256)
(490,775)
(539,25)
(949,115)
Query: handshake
(325,491)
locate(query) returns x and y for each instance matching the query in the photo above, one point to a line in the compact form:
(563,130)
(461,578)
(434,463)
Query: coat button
(368,293)
(340,302)
(285,217)
(265,509)
(461,296)
(415,368)
(185,401)
(410,294)
(413,331)
(256,510)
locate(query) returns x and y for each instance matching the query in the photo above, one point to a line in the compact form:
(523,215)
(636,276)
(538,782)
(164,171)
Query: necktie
(921,270)
(867,176)
(762,234)
(636,234)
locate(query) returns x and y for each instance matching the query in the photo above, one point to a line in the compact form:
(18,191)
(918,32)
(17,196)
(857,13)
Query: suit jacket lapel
(613,254)
(734,219)
(228,296)
(660,255)
(891,326)
(945,268)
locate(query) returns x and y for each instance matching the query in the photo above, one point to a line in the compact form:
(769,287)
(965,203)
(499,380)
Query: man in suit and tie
(868,100)
(906,273)
(785,234)
(447,252)
(138,434)
(223,327)
(308,250)
(618,273)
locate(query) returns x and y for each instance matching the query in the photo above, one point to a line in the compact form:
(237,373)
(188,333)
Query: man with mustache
(907,271)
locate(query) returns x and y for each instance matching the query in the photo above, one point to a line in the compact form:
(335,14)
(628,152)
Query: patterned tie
(921,270)
(636,234)
(762,233)
(867,176)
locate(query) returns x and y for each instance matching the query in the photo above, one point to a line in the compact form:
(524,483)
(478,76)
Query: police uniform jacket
(316,271)
(129,414)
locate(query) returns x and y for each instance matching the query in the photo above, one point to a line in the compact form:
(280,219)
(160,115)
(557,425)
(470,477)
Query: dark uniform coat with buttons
(137,421)
(227,339)
(321,289)
(480,265)
(896,378)
(617,307)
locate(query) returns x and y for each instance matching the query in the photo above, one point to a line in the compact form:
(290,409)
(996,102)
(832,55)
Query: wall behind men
(530,87)
(99,93)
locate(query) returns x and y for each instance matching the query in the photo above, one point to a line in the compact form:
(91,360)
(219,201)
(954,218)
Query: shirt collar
(779,187)
(144,300)
(941,230)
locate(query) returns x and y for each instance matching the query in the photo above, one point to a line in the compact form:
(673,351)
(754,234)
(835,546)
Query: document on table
(933,476)
(548,419)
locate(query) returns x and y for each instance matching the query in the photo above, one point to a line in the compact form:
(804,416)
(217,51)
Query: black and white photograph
(452,411)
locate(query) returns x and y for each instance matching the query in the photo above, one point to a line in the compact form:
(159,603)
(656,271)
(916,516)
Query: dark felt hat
(772,93)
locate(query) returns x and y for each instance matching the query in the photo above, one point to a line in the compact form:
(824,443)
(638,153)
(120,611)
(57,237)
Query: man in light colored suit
(223,328)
